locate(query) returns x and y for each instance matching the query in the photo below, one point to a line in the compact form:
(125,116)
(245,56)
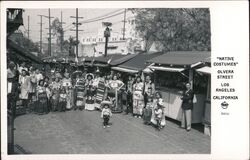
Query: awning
(139,61)
(181,58)
(122,60)
(168,69)
(124,70)
(22,51)
(204,70)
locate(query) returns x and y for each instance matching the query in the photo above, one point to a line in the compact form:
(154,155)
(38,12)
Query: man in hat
(187,106)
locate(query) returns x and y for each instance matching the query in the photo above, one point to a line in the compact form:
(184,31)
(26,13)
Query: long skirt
(79,97)
(70,99)
(54,101)
(100,94)
(62,105)
(89,104)
(42,104)
(147,114)
(138,103)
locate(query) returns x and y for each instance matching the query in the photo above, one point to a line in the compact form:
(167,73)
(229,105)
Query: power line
(95,20)
(107,14)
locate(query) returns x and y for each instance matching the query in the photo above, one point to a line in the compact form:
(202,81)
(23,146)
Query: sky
(88,28)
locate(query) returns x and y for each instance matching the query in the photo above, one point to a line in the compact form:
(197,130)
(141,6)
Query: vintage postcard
(124,80)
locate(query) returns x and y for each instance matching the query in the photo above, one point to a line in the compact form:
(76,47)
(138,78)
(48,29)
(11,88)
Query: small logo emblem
(224,105)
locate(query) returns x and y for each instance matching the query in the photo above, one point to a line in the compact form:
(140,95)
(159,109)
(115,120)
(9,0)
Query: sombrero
(89,74)
(77,72)
(103,103)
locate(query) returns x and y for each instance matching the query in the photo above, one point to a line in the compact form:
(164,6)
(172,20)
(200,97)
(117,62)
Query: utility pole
(62,35)
(49,45)
(41,32)
(77,30)
(49,34)
(28,27)
(124,25)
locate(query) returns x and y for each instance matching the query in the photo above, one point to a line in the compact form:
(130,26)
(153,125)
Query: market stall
(205,73)
(171,71)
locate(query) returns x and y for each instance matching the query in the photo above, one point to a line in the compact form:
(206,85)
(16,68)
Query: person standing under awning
(138,98)
(148,84)
(187,106)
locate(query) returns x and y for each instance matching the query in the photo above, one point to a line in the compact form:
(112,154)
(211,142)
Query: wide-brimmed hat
(89,74)
(103,103)
(77,72)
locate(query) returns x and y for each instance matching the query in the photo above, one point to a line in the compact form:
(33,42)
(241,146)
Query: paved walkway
(81,132)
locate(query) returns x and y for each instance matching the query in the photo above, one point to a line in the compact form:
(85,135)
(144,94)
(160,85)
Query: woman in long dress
(42,99)
(114,93)
(138,98)
(67,85)
(89,90)
(158,101)
(79,92)
(33,86)
(25,84)
(99,85)
(55,92)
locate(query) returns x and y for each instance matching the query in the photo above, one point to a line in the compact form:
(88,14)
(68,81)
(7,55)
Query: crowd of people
(60,90)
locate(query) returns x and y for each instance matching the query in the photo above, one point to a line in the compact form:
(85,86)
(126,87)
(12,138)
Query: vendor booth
(205,73)
(171,71)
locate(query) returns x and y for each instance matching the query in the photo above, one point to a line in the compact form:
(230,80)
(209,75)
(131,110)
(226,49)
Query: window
(171,80)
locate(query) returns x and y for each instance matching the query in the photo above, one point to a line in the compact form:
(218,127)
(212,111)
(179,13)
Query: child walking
(106,114)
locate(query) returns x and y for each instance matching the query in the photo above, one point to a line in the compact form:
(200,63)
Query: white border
(229,28)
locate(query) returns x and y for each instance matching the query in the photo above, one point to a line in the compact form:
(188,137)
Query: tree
(71,45)
(175,29)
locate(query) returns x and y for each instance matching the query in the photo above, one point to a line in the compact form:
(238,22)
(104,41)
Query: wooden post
(191,78)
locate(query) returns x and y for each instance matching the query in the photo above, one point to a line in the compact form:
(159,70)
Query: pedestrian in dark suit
(187,107)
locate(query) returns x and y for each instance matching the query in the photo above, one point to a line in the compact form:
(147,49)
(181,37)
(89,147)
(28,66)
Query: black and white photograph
(103,81)
(113,80)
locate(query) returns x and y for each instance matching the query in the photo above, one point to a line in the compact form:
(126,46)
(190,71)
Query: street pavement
(81,132)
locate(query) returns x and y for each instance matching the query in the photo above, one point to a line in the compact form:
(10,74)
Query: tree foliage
(176,29)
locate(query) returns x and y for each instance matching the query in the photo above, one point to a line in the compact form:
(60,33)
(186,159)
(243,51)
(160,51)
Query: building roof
(23,52)
(110,58)
(138,62)
(122,59)
(181,57)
